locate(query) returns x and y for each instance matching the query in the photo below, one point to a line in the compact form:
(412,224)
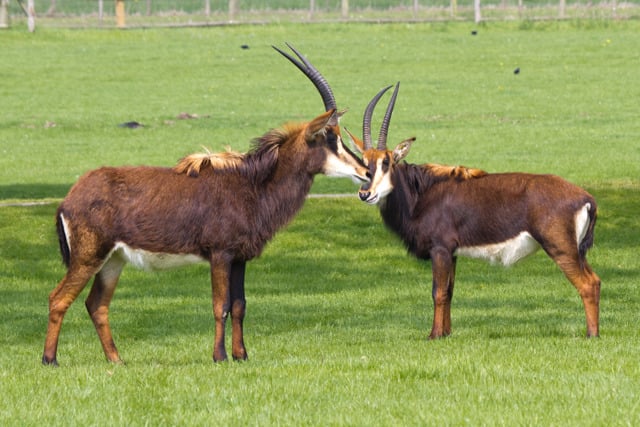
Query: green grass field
(338,313)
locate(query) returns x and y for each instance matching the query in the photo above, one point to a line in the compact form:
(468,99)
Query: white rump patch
(582,222)
(151,261)
(506,253)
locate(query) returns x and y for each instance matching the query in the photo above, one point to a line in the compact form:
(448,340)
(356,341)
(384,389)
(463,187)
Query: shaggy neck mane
(258,164)
(409,183)
(459,173)
(275,176)
(277,166)
(194,164)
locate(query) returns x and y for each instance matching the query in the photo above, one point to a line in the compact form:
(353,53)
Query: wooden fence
(134,13)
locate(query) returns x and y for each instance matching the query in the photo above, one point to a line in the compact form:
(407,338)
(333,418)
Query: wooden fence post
(520,9)
(31,15)
(120,14)
(233,9)
(4,13)
(52,8)
(476,10)
(345,9)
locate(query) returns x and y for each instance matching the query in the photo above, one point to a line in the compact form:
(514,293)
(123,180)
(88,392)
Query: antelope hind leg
(588,283)
(98,301)
(60,299)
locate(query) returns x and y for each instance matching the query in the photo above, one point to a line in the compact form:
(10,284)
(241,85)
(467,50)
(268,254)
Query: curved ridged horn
(314,75)
(384,128)
(366,121)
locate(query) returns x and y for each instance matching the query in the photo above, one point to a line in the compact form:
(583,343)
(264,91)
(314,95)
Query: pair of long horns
(384,128)
(330,102)
(314,75)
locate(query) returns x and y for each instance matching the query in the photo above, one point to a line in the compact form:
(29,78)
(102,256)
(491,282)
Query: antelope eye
(385,161)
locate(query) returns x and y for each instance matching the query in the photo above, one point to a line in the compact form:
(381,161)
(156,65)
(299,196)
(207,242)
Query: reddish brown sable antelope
(217,208)
(441,212)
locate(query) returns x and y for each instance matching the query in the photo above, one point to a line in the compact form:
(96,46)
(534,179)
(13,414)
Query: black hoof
(46,362)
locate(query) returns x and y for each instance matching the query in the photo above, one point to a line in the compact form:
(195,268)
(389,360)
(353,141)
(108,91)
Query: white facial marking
(334,166)
(373,199)
(151,261)
(582,222)
(380,186)
(506,253)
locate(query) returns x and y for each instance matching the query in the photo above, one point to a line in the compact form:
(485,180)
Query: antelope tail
(63,239)
(587,241)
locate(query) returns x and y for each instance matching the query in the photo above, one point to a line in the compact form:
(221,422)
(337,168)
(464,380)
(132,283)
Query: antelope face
(380,164)
(342,162)
(333,157)
(379,161)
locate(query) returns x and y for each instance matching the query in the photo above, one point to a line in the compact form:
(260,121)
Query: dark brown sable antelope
(441,212)
(217,208)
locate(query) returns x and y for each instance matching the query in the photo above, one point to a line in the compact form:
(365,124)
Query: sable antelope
(217,208)
(441,212)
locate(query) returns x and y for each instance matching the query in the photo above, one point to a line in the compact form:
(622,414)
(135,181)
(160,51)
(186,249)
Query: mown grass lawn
(338,314)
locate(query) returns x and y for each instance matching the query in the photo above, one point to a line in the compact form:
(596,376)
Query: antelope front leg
(447,307)
(220,274)
(442,291)
(238,308)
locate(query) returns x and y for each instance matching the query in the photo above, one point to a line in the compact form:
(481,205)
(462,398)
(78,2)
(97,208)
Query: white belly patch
(506,253)
(151,261)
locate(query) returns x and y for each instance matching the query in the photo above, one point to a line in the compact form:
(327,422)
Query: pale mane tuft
(193,164)
(461,173)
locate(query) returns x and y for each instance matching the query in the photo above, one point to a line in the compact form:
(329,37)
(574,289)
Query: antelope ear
(330,118)
(357,142)
(401,151)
